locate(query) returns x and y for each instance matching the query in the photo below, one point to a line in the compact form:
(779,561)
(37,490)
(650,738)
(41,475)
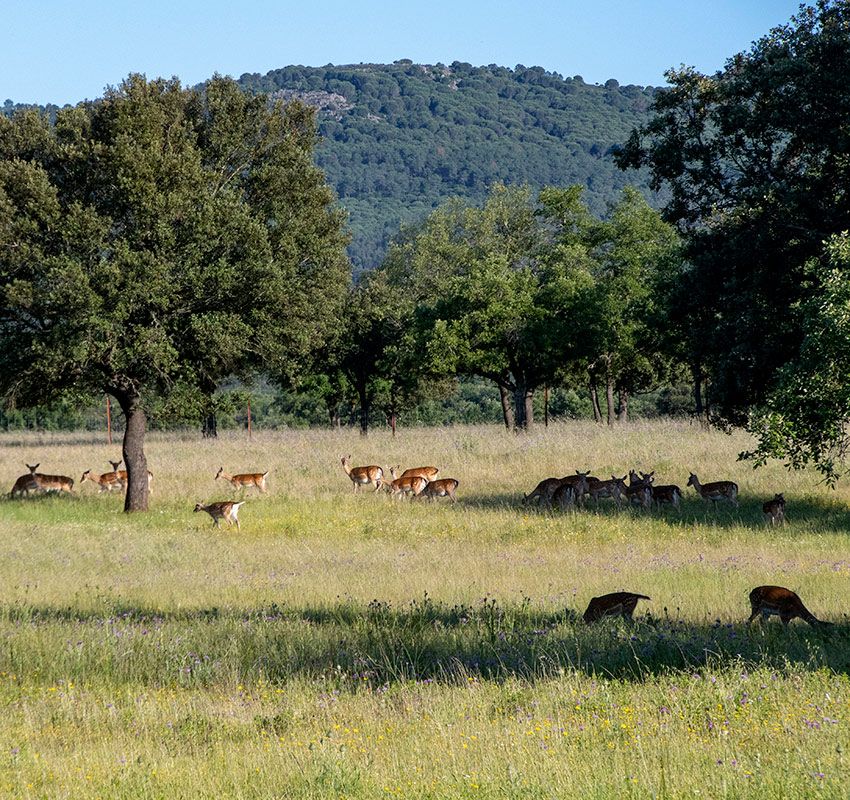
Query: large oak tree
(157,240)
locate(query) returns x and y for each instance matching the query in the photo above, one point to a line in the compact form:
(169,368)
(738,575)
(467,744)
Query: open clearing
(348,645)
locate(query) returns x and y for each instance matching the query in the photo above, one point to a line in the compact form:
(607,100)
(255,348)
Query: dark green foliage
(756,160)
(400,138)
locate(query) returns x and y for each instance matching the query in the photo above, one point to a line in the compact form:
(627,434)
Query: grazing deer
(445,487)
(245,480)
(25,483)
(774,510)
(429,473)
(612,605)
(718,490)
(543,491)
(363,476)
(615,488)
(669,493)
(50,483)
(227,511)
(767,600)
(639,490)
(414,486)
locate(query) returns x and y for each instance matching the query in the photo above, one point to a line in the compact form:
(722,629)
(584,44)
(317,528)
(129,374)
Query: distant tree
(157,240)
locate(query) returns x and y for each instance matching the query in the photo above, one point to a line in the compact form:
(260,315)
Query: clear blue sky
(61,51)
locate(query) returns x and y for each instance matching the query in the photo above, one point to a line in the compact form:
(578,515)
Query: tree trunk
(392,423)
(209,426)
(523,408)
(594,400)
(133,450)
(623,408)
(364,410)
(697,376)
(507,408)
(545,406)
(609,396)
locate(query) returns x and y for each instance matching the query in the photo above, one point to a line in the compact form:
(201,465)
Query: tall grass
(351,645)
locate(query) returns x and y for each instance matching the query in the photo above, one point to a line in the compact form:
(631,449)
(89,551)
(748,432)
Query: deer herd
(421,482)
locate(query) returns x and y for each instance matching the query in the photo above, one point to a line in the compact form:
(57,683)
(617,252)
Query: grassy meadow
(348,645)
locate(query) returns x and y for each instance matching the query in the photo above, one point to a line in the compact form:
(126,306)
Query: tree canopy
(157,240)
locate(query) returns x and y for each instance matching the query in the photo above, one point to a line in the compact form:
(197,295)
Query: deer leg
(753,616)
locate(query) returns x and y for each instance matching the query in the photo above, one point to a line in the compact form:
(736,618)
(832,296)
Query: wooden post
(108,421)
(249,420)
(392,423)
(545,406)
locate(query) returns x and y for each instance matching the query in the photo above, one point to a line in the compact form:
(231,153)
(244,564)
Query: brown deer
(227,511)
(245,480)
(106,481)
(639,490)
(543,491)
(767,600)
(565,496)
(669,493)
(363,476)
(581,483)
(25,483)
(615,488)
(774,510)
(718,490)
(445,487)
(50,483)
(122,475)
(400,486)
(429,473)
(612,605)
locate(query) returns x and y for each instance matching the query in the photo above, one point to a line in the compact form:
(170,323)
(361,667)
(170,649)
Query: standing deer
(25,483)
(718,490)
(543,491)
(612,605)
(107,481)
(670,493)
(774,510)
(50,483)
(122,475)
(615,488)
(245,480)
(227,511)
(639,490)
(363,476)
(414,486)
(767,600)
(429,473)
(445,487)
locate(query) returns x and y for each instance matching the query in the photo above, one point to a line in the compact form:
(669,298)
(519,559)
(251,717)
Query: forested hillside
(400,138)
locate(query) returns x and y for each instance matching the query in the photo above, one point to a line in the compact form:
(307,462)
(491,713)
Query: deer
(615,488)
(612,605)
(50,483)
(363,476)
(106,481)
(543,491)
(25,483)
(639,490)
(400,486)
(429,473)
(718,490)
(767,600)
(245,480)
(774,510)
(581,483)
(122,474)
(564,496)
(444,487)
(227,511)
(669,493)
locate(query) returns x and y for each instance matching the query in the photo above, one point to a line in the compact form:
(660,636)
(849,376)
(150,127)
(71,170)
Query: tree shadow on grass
(353,644)
(807,512)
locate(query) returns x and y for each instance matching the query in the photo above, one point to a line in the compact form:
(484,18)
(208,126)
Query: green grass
(347,645)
